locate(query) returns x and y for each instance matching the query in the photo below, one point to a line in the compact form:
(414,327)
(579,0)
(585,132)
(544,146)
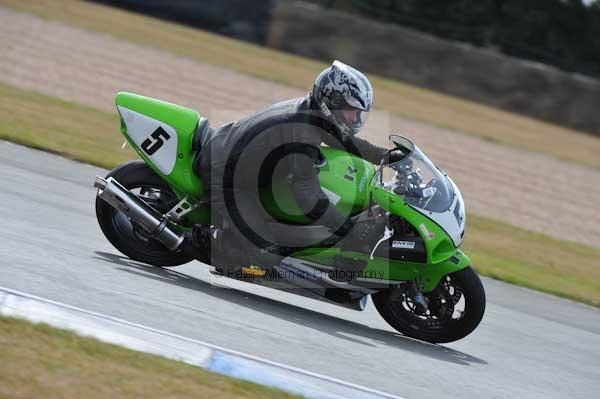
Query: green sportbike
(419,280)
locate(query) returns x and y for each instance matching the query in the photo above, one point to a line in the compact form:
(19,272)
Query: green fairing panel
(442,256)
(438,244)
(141,119)
(344,178)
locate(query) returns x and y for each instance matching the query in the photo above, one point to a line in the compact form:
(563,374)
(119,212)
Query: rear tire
(462,287)
(119,230)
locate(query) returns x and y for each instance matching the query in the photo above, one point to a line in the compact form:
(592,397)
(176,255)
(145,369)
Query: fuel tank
(344,178)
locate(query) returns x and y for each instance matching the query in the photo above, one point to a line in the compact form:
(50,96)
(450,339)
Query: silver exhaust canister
(138,211)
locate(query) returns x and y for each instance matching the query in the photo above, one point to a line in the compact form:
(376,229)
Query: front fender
(432,274)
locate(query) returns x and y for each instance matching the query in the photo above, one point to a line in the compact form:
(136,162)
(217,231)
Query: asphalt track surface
(529,345)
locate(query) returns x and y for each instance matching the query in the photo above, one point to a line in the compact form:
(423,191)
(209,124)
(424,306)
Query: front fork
(419,299)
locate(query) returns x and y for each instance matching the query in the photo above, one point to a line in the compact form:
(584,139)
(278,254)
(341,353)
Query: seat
(202,130)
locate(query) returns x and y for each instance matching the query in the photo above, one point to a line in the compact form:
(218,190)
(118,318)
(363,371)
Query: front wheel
(454,308)
(129,238)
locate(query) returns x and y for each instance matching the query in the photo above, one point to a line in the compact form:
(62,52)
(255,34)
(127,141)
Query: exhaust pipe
(138,211)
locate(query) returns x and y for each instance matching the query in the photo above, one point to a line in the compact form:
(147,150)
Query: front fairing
(429,216)
(423,188)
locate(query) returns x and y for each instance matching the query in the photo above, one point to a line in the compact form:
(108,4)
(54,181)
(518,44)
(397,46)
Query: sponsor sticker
(429,192)
(325,110)
(430,236)
(403,244)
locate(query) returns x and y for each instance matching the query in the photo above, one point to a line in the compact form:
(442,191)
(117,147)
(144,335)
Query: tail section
(162,134)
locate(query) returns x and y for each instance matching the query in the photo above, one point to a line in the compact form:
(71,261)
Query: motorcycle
(419,280)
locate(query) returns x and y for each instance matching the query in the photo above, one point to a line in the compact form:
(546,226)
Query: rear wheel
(454,308)
(129,238)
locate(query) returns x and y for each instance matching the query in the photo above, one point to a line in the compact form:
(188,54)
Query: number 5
(151,146)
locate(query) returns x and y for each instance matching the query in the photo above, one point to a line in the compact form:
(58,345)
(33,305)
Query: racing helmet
(344,97)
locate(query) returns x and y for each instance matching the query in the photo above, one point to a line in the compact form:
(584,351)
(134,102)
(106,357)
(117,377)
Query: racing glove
(393,156)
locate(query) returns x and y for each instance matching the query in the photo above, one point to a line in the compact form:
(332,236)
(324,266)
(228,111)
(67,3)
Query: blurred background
(540,58)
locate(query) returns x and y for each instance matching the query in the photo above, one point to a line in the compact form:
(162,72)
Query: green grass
(38,361)
(498,250)
(534,260)
(64,128)
(402,99)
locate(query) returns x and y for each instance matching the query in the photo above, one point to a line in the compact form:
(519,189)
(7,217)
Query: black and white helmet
(344,96)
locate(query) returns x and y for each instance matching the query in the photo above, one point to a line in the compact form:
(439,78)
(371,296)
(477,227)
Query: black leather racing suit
(281,140)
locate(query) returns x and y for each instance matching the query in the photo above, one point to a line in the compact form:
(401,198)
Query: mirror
(402,144)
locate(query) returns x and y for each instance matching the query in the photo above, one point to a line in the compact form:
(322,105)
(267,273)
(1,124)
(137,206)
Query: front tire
(444,321)
(137,177)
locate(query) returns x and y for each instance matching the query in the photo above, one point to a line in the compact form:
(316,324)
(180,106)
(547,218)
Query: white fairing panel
(461,212)
(453,221)
(155,138)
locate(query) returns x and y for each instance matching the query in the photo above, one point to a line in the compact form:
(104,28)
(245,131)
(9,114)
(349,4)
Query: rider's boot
(211,245)
(258,262)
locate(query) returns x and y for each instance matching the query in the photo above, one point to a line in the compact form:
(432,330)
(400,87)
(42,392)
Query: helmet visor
(352,118)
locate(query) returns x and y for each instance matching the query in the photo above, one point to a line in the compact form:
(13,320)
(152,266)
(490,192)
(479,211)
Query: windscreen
(418,181)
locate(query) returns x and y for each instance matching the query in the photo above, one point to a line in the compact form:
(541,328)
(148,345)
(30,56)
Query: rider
(283,139)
